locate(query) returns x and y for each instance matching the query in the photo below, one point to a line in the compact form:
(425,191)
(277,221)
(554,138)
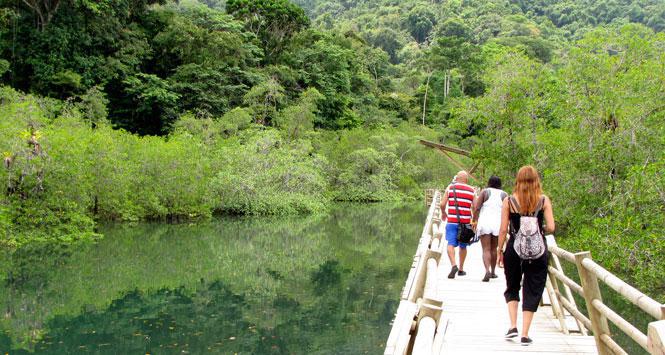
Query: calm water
(316,285)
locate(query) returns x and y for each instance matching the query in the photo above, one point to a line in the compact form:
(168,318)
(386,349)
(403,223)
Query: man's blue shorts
(451,235)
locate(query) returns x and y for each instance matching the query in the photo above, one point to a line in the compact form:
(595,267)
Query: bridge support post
(591,292)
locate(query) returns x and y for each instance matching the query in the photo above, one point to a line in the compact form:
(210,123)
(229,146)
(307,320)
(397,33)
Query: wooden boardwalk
(477,316)
(464,315)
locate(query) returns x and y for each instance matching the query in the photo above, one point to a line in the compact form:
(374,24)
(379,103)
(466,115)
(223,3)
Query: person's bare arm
(444,204)
(503,230)
(478,203)
(549,216)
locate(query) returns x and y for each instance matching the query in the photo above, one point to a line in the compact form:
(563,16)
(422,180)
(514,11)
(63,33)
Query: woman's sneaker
(511,333)
(526,341)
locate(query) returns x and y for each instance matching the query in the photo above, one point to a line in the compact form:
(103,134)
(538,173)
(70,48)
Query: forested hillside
(143,109)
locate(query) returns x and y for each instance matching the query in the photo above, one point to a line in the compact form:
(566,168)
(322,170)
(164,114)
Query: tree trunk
(44,9)
(446,84)
(429,75)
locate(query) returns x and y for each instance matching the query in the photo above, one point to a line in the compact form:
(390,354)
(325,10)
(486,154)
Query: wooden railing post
(656,337)
(557,309)
(424,337)
(567,296)
(591,292)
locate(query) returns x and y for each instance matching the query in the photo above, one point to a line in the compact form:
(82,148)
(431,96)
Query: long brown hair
(527,188)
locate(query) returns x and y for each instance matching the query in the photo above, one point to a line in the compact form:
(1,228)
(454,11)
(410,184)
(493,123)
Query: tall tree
(272,21)
(44,10)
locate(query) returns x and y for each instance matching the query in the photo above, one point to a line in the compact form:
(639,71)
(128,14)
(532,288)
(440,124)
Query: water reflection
(318,284)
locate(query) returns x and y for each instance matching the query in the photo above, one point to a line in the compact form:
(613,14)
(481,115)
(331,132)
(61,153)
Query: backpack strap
(514,204)
(540,205)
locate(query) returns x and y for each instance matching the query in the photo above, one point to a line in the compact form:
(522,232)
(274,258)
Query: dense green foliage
(593,125)
(61,173)
(159,109)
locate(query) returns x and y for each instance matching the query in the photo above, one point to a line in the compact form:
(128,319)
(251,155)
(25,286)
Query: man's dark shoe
(487,277)
(453,271)
(511,333)
(526,341)
(493,276)
(461,273)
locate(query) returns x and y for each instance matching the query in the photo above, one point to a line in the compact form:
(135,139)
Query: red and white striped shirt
(465,195)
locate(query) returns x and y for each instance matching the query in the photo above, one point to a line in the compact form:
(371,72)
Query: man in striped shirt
(456,210)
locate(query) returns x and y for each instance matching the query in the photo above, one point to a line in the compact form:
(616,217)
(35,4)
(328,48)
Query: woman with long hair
(487,215)
(529,206)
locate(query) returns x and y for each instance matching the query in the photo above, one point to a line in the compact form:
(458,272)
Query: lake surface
(325,284)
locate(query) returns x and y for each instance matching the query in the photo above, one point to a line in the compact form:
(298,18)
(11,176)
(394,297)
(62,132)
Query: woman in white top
(488,222)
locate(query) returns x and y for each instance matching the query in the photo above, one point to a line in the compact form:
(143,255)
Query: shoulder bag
(465,233)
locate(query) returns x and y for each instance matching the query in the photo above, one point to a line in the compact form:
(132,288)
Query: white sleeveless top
(489,219)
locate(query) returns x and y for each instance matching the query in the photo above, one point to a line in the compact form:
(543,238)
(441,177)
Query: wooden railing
(418,327)
(599,313)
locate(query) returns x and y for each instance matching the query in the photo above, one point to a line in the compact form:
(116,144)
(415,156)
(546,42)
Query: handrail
(418,319)
(590,272)
(583,323)
(616,349)
(562,253)
(622,324)
(566,280)
(646,303)
(574,311)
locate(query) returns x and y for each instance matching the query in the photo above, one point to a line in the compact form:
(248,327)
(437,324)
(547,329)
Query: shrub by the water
(267,175)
